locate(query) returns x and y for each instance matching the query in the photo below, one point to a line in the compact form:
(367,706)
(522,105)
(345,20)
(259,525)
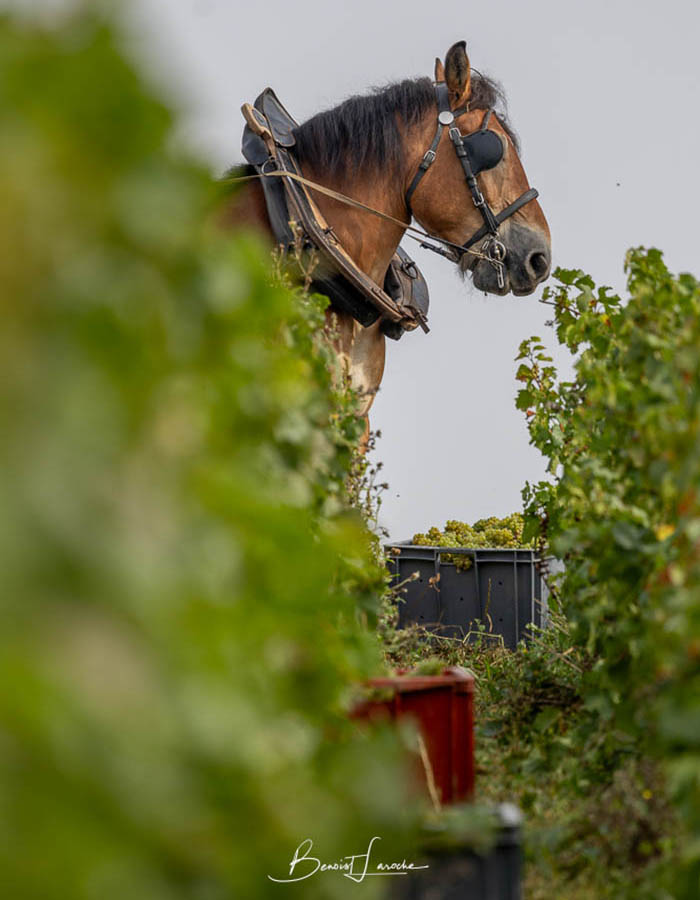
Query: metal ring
(494,249)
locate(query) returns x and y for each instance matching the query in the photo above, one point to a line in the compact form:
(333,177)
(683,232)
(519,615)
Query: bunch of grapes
(491,532)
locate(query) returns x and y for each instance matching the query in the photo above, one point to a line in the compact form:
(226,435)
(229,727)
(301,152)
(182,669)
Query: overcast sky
(605,96)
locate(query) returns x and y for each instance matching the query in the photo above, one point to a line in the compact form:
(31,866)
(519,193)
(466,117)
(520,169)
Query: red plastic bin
(443,708)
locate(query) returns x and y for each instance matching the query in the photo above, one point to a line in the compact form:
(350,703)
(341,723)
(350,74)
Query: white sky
(605,96)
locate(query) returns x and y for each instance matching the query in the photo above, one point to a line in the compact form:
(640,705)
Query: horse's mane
(364,130)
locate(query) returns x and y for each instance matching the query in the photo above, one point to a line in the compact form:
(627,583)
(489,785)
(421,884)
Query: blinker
(484,149)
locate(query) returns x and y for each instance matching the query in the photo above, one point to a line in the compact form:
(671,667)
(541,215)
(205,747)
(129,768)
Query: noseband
(477,152)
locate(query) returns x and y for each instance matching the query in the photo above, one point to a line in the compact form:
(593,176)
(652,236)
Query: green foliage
(622,510)
(181,576)
(591,832)
(490,532)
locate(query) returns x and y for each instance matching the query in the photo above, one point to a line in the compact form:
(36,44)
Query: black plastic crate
(462,874)
(503,589)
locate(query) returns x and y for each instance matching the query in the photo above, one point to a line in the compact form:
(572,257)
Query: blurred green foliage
(181,578)
(622,509)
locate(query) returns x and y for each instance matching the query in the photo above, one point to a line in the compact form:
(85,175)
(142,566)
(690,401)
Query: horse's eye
(485,150)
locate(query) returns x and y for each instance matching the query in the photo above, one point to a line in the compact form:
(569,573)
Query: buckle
(428,159)
(409,267)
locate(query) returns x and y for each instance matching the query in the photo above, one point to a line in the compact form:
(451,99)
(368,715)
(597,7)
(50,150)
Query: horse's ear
(458,73)
(439,70)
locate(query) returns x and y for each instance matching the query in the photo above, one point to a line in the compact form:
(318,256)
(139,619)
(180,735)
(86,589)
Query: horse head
(446,206)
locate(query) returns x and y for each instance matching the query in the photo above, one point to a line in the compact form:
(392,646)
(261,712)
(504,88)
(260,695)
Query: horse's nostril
(539,264)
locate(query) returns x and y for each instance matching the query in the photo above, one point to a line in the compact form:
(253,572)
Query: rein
(455,251)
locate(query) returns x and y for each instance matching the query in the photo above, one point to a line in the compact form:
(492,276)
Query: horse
(372,148)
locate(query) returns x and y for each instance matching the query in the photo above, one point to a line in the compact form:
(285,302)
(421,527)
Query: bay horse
(371,148)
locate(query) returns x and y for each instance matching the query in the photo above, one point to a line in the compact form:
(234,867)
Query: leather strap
(442,96)
(305,211)
(328,192)
(454,249)
(349,201)
(477,197)
(500,217)
(425,164)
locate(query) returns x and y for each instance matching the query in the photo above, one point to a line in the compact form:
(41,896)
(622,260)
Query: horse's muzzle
(527,263)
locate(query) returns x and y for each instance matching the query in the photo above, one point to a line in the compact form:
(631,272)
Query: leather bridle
(492,248)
